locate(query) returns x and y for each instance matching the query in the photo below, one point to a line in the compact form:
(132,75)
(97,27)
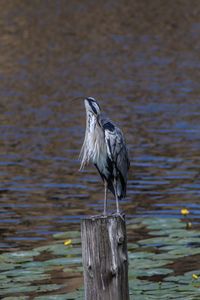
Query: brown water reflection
(141,59)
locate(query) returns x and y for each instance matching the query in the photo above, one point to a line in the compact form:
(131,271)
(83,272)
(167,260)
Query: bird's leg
(117,201)
(105,197)
(116,196)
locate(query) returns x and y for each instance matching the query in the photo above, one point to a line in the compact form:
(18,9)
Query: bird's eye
(90,99)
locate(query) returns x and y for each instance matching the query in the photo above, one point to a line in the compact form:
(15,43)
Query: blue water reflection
(147,88)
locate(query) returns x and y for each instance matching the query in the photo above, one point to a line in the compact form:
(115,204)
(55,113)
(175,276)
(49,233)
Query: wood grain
(105,259)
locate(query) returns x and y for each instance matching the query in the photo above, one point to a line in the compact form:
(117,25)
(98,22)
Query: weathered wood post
(105,259)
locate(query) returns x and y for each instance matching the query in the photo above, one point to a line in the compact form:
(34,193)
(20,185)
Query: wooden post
(105,259)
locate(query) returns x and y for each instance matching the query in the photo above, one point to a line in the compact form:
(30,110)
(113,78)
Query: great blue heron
(105,146)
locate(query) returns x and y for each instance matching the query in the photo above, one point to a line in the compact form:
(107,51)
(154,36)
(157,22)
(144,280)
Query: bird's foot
(93,217)
(120,214)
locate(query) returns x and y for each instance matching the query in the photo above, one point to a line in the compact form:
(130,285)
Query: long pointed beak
(78,98)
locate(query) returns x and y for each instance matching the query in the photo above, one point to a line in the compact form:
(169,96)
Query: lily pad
(67,235)
(151,263)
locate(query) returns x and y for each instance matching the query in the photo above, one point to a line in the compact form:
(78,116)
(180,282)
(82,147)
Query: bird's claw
(120,214)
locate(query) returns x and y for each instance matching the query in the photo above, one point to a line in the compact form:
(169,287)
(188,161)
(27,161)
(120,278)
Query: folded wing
(118,155)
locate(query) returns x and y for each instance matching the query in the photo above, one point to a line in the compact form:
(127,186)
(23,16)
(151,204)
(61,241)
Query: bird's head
(91,106)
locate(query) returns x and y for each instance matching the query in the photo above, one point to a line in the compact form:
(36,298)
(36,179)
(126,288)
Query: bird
(104,145)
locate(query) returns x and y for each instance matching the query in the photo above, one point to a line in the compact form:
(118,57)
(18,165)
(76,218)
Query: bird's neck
(91,123)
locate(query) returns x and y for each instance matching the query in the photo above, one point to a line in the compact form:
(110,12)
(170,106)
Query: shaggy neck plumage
(88,149)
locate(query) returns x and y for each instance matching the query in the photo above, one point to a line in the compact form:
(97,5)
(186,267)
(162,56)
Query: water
(142,62)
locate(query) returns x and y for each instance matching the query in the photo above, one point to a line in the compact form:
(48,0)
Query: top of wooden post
(105,258)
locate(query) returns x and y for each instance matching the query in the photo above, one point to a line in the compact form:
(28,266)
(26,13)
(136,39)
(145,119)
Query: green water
(153,272)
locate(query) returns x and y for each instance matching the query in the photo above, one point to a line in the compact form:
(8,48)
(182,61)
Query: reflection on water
(146,78)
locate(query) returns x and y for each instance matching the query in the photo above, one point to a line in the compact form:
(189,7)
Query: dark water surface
(141,59)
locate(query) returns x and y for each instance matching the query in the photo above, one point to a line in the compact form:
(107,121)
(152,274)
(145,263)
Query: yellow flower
(184,211)
(195,276)
(67,242)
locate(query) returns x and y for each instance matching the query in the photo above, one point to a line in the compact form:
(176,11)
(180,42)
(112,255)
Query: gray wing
(117,153)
